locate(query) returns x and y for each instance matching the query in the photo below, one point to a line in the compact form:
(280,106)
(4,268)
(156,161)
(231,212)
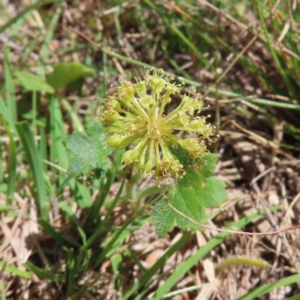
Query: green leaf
(33,82)
(66,73)
(194,193)
(88,151)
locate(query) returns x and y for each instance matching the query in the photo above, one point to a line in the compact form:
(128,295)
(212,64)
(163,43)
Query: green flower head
(137,116)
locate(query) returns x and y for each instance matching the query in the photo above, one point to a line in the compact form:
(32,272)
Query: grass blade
(58,151)
(102,196)
(44,53)
(270,287)
(296,297)
(35,163)
(67,209)
(71,272)
(6,114)
(53,233)
(12,164)
(14,270)
(44,274)
(9,85)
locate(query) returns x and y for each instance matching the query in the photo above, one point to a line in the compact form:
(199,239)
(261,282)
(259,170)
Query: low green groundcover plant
(167,145)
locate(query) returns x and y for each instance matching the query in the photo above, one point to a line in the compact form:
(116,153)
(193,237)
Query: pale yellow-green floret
(137,116)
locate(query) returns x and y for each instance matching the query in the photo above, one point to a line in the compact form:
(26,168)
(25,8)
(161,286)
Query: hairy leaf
(88,151)
(193,194)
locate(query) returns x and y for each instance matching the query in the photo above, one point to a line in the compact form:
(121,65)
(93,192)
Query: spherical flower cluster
(137,116)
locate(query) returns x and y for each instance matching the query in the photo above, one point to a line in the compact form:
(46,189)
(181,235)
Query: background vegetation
(87,237)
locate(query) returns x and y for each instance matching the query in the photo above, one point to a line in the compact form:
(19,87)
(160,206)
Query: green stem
(163,105)
(75,120)
(157,155)
(171,115)
(140,109)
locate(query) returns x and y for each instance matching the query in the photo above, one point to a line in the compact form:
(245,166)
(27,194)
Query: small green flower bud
(113,128)
(182,119)
(146,101)
(111,116)
(191,104)
(127,157)
(197,123)
(157,83)
(115,105)
(115,141)
(135,155)
(207,131)
(129,128)
(141,88)
(177,170)
(195,148)
(171,88)
(126,93)
(118,141)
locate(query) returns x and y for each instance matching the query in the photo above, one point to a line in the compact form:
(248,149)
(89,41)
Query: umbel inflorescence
(137,116)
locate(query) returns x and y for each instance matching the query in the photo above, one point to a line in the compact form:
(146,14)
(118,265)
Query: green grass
(86,226)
